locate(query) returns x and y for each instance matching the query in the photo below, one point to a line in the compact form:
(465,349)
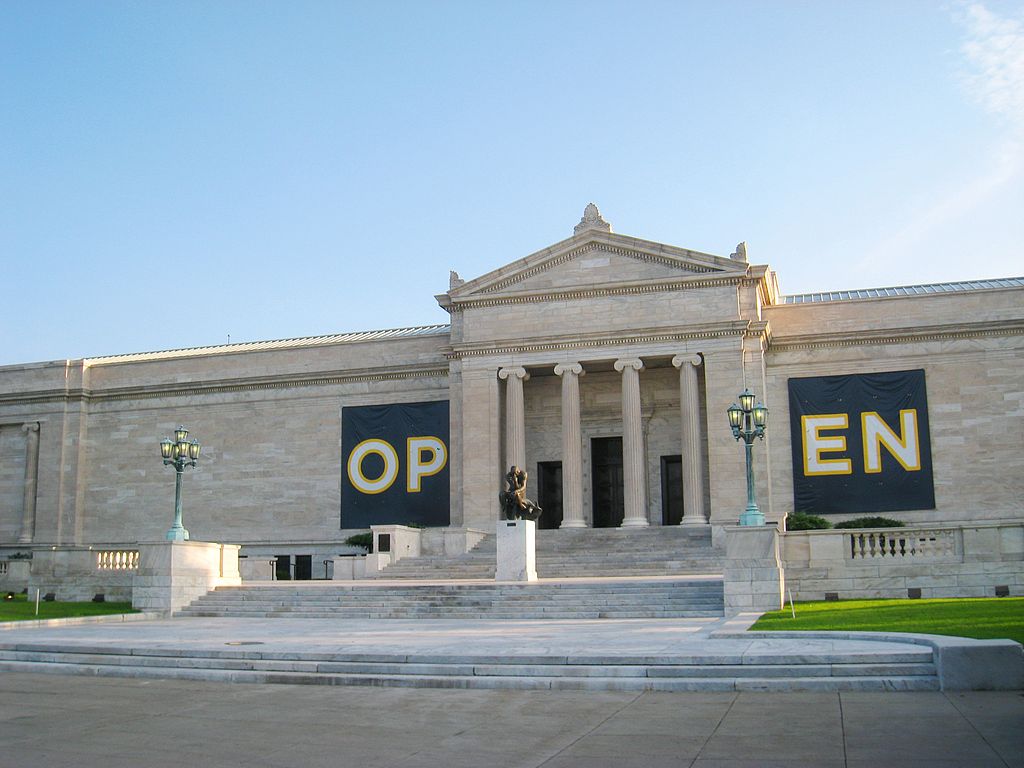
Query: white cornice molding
(949,332)
(638,287)
(189,389)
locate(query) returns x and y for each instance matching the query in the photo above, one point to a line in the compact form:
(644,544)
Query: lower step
(721,681)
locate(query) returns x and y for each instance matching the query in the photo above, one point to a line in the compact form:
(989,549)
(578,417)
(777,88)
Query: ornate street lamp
(749,421)
(179,453)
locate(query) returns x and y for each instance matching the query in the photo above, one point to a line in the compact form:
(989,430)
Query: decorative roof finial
(740,254)
(592,220)
(454,281)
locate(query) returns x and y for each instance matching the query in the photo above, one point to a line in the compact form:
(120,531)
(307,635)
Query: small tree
(801,521)
(871,522)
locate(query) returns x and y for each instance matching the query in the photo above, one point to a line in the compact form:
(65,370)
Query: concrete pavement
(88,722)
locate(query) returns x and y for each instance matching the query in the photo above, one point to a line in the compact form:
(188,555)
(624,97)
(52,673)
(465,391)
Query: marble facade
(598,336)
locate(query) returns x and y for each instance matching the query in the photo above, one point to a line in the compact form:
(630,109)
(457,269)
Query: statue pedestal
(517,559)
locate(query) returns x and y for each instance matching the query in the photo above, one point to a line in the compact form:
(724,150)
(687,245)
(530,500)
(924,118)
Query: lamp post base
(752,516)
(177,533)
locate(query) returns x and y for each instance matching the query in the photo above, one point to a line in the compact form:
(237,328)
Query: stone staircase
(675,597)
(582,552)
(910,669)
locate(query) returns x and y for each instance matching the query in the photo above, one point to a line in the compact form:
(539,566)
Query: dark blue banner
(861,443)
(394,465)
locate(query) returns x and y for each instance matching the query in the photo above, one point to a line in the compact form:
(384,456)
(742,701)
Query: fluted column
(572,446)
(692,448)
(515,419)
(28,513)
(633,475)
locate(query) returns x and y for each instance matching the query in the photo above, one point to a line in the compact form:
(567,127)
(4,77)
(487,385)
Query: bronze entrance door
(606,468)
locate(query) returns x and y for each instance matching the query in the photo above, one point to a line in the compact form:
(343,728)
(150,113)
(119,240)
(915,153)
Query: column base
(634,524)
(177,534)
(573,524)
(693,522)
(752,517)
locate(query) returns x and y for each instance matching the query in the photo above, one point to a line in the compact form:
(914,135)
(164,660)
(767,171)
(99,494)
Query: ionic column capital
(32,426)
(693,359)
(574,368)
(630,362)
(516,370)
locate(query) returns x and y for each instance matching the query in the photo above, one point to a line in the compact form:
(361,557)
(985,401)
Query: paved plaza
(57,720)
(52,721)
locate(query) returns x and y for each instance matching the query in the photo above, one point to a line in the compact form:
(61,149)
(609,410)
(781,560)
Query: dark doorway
(549,493)
(606,464)
(283,567)
(671,490)
(303,567)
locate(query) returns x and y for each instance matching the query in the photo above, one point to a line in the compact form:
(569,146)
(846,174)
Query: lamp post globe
(748,422)
(179,453)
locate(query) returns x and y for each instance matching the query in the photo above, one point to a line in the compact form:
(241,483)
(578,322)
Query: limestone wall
(939,561)
(974,373)
(269,422)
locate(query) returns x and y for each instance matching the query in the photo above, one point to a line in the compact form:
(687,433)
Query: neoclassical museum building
(603,364)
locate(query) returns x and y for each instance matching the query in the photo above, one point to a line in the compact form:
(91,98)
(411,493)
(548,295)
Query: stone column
(515,420)
(634,485)
(572,446)
(692,448)
(28,514)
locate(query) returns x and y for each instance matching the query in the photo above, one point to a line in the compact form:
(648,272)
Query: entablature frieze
(911,335)
(633,339)
(180,389)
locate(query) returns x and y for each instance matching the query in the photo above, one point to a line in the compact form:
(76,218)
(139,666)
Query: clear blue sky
(172,172)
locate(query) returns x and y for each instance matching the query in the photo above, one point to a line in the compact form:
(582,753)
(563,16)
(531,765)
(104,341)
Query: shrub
(364,540)
(871,522)
(801,521)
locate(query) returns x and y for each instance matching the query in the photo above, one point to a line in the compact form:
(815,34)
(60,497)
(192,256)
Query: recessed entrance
(549,493)
(606,467)
(671,490)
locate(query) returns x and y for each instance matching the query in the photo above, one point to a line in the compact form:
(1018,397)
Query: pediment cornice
(499,286)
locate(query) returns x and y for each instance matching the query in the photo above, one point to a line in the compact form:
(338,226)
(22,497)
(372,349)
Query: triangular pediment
(594,260)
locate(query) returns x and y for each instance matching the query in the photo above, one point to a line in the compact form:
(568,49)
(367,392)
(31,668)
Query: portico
(632,424)
(596,353)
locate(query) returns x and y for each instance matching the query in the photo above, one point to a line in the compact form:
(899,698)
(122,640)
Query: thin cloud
(993,76)
(994,53)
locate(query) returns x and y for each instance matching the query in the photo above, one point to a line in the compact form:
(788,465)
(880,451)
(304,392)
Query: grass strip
(982,617)
(23,609)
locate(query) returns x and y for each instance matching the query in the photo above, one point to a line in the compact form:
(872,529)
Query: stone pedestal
(517,559)
(348,568)
(172,574)
(753,574)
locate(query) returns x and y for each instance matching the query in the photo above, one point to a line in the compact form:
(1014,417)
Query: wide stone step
(568,553)
(634,599)
(912,670)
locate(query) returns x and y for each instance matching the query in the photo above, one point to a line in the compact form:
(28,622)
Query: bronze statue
(514,504)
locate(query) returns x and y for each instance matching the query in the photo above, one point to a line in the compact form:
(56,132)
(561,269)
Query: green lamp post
(749,421)
(179,453)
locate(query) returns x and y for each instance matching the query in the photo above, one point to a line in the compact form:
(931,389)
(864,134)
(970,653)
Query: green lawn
(983,617)
(22,609)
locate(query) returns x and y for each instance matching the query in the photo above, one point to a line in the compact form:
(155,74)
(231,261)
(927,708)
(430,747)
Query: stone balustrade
(117,560)
(925,561)
(918,544)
